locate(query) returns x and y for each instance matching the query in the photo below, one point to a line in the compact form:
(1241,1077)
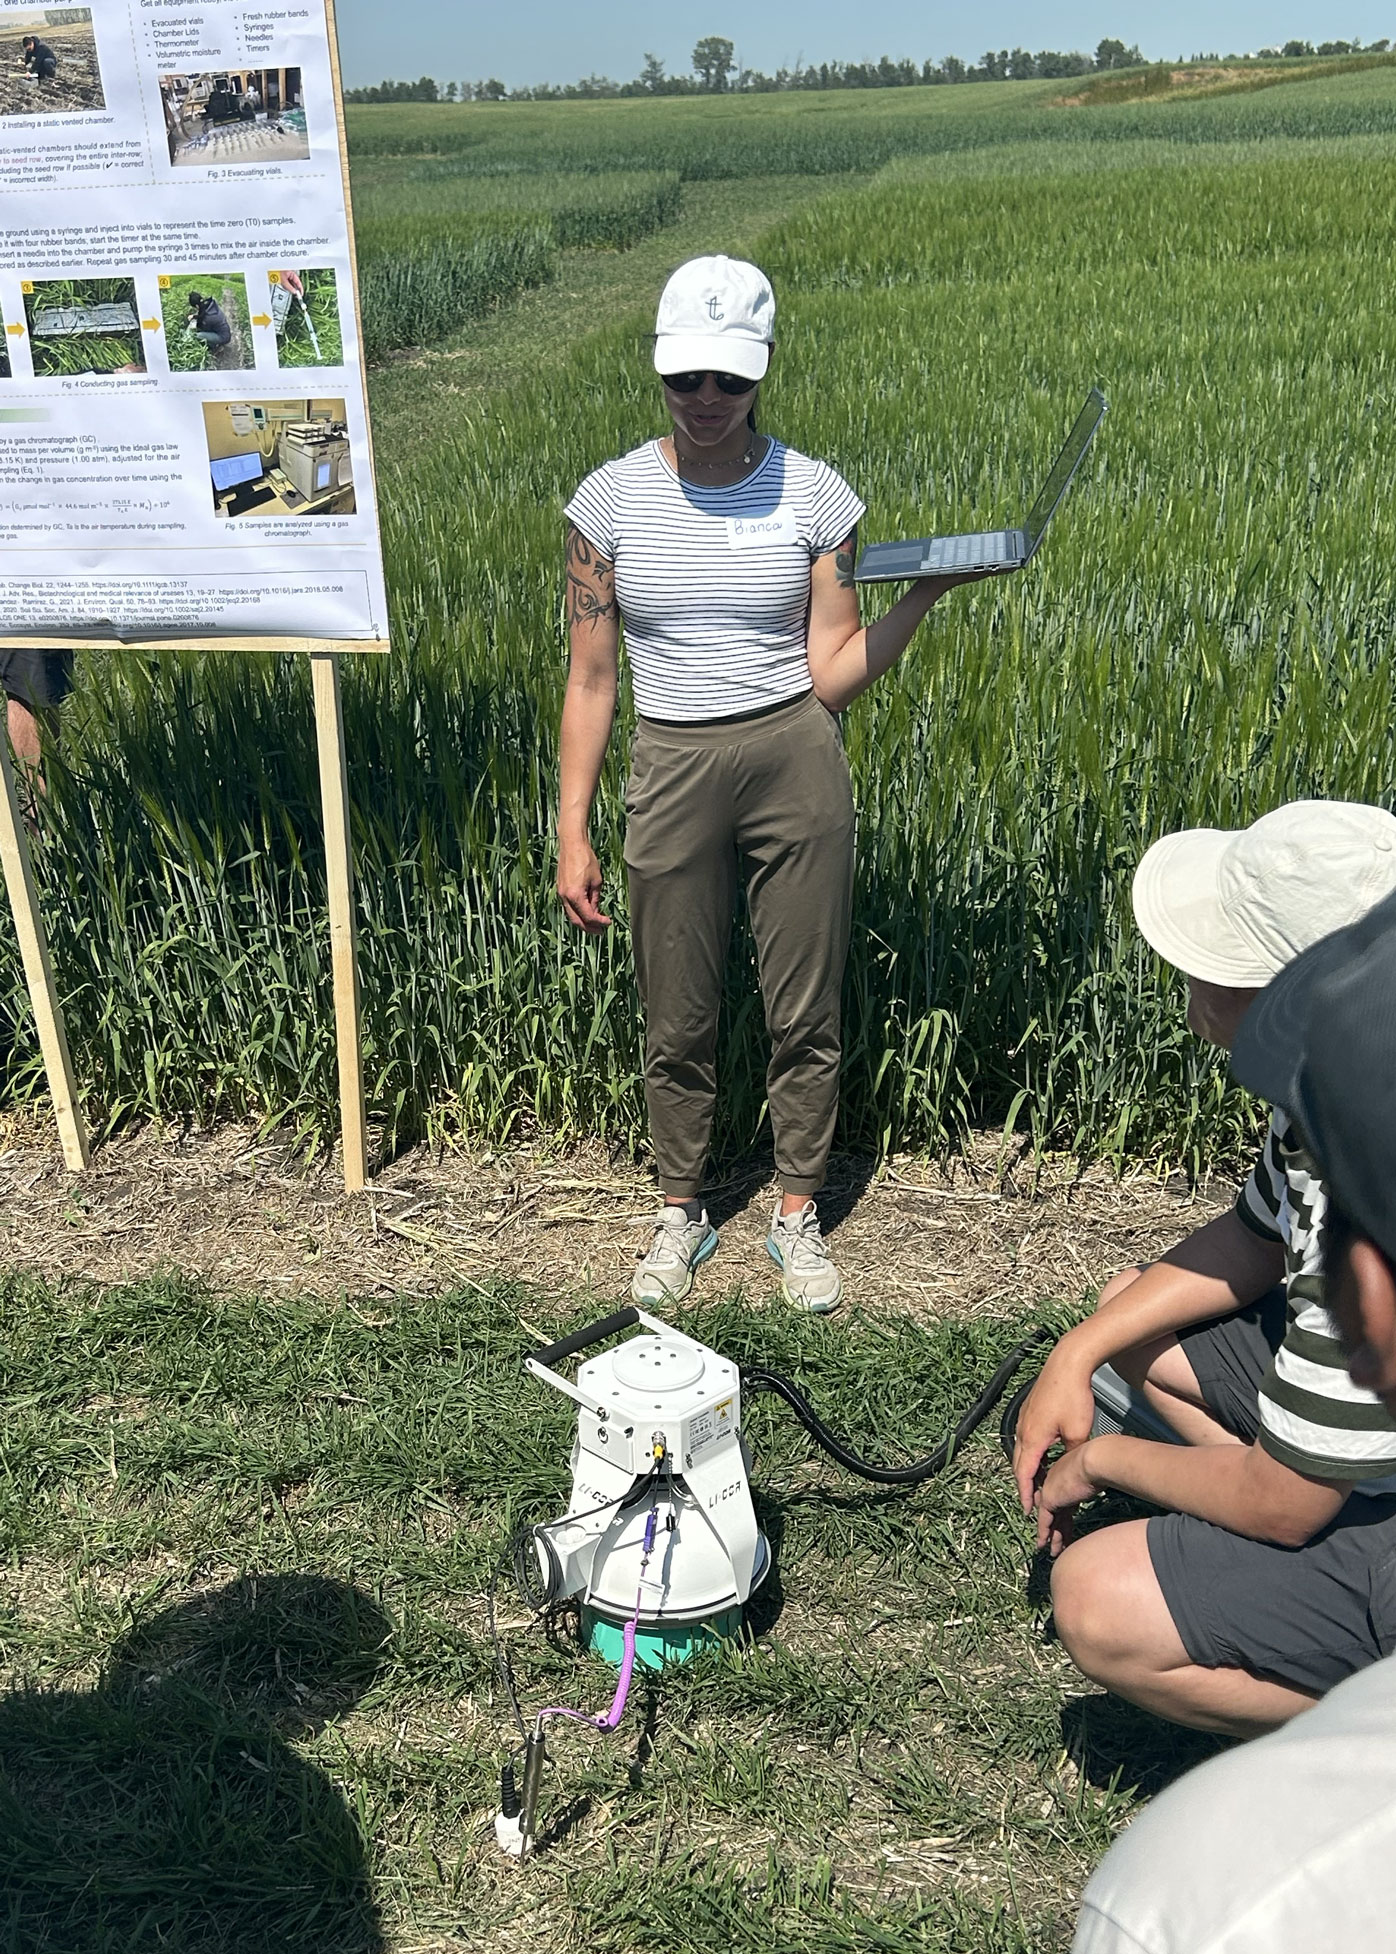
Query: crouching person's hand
(1059,1410)
(1068,1483)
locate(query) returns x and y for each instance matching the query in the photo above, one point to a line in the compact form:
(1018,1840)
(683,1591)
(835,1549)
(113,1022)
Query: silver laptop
(994,549)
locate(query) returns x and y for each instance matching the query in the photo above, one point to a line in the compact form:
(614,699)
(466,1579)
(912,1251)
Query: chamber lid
(656,1364)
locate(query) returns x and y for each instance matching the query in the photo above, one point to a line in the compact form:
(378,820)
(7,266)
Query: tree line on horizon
(716,71)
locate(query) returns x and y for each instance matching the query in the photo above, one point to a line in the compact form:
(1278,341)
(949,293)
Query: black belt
(731,719)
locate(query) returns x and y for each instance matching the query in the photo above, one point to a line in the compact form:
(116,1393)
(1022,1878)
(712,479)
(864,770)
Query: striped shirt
(1312,1416)
(713,584)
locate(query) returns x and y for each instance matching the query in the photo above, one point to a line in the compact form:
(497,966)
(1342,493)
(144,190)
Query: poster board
(185,458)
(186,455)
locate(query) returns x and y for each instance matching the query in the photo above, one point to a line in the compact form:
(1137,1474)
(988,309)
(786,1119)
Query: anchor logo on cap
(715,310)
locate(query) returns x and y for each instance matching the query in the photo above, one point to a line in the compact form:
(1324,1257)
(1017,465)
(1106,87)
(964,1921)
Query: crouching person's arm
(1218,1268)
(1239,1487)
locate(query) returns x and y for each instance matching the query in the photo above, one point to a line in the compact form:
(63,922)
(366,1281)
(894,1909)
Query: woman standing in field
(729,559)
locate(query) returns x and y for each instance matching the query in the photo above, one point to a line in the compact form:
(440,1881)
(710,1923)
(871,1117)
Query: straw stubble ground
(242,1213)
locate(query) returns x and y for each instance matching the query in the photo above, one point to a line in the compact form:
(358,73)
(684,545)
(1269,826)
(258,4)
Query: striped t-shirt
(1312,1416)
(713,584)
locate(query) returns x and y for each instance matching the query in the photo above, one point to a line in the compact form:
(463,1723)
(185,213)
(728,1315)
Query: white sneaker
(809,1279)
(665,1273)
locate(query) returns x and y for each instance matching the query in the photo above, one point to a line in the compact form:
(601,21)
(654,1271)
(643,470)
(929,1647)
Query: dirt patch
(911,1238)
(76,86)
(1157,84)
(1160,83)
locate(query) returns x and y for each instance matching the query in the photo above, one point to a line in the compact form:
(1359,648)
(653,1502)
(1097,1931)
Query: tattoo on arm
(845,556)
(591,583)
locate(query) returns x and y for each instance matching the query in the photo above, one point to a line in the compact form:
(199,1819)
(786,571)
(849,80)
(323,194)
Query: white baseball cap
(1235,905)
(715,315)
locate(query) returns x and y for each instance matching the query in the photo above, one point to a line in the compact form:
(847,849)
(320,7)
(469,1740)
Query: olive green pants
(767,800)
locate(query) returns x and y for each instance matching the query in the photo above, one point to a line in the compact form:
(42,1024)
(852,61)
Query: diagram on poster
(175,262)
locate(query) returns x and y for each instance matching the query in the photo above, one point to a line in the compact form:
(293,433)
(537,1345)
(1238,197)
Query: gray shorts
(1309,1615)
(41,679)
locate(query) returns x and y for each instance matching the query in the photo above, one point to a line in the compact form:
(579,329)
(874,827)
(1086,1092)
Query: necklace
(743,460)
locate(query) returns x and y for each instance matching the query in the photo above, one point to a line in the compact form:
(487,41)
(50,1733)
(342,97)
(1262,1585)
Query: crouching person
(1288,1845)
(1251,1594)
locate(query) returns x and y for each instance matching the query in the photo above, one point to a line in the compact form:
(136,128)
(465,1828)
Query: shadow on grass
(166,1809)
(1113,1744)
(763,1609)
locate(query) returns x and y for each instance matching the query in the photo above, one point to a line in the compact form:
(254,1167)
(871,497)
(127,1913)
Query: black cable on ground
(538,1587)
(501,1661)
(1008,1424)
(755,1379)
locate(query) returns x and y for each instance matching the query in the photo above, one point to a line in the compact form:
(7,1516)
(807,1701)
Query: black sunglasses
(689,383)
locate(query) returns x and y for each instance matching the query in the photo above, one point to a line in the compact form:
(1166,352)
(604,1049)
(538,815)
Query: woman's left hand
(845,658)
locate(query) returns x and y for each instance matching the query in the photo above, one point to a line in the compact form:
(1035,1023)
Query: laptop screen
(1063,468)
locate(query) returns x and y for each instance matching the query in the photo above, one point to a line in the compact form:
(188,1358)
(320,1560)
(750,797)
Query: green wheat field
(248,1540)
(1206,633)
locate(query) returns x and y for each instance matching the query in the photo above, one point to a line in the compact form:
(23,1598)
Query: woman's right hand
(579,885)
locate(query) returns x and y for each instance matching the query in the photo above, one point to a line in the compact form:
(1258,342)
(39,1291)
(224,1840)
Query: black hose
(1008,1424)
(908,1475)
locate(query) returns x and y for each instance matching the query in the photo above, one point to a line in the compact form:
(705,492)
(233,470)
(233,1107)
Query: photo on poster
(235,115)
(83,325)
(304,307)
(208,323)
(48,62)
(279,458)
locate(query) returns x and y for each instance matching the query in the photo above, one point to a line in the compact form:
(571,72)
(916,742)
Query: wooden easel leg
(344,955)
(38,970)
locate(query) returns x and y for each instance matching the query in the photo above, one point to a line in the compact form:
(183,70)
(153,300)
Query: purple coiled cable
(627,1665)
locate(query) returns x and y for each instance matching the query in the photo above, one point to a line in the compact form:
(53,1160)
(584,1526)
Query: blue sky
(558,40)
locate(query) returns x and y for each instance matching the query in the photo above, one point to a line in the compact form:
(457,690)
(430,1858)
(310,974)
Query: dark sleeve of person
(212,320)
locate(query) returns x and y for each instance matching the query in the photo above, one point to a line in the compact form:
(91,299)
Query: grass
(730,137)
(612,211)
(851,130)
(186,353)
(439,248)
(537,331)
(423,278)
(83,352)
(250,1700)
(1207,633)
(295,347)
(1177,80)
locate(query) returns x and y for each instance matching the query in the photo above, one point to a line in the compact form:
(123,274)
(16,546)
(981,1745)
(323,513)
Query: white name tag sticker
(760,532)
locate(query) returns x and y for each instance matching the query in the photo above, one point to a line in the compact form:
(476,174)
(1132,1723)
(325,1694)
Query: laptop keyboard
(962,552)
